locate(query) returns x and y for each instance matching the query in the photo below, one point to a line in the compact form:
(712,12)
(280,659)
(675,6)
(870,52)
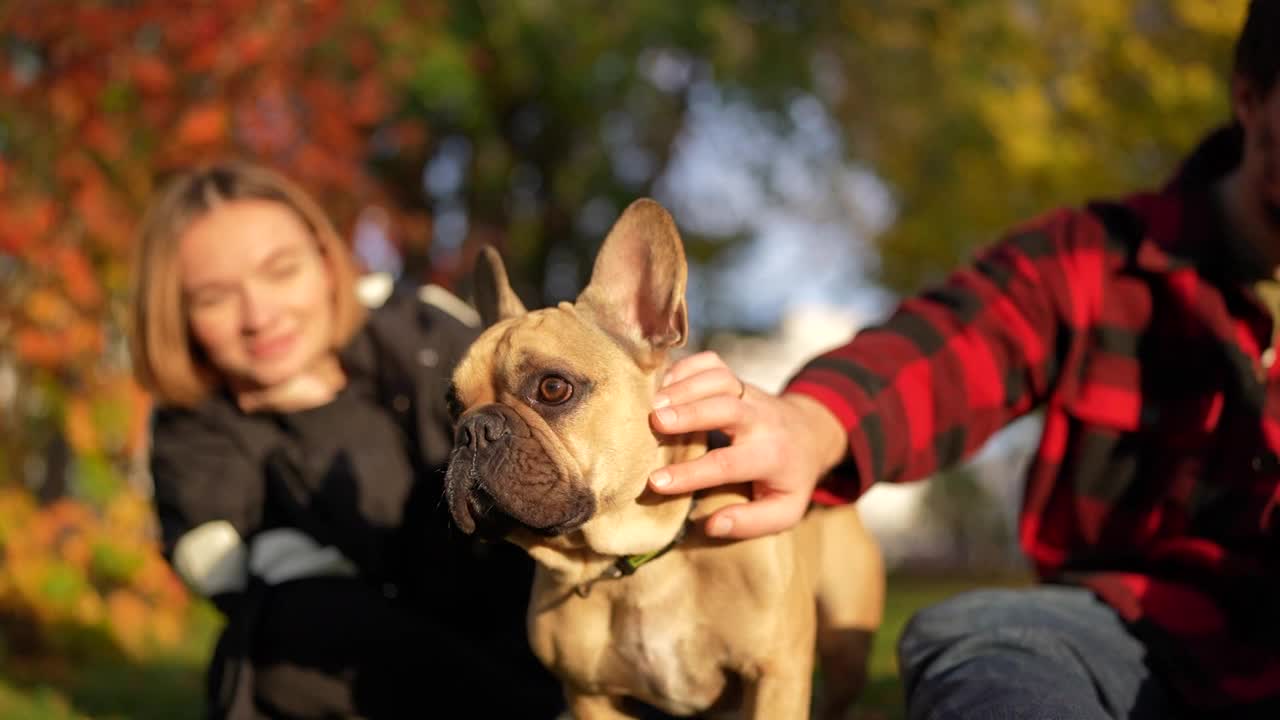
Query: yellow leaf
(1219,17)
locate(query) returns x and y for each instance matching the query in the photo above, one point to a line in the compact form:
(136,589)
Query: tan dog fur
(712,627)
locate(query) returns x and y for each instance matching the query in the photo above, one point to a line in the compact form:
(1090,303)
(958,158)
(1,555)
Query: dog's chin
(493,521)
(495,525)
(575,521)
(490,521)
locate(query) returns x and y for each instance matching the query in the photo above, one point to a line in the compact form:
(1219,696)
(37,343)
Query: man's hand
(782,445)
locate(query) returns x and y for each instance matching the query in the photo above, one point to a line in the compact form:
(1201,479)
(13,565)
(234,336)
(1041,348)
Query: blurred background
(821,159)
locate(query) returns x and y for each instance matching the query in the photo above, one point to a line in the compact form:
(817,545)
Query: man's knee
(961,616)
(1047,644)
(1031,622)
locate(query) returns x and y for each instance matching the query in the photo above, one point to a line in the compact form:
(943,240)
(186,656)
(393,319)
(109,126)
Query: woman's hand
(782,445)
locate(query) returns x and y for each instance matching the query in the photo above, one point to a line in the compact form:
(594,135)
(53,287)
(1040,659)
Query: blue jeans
(1044,653)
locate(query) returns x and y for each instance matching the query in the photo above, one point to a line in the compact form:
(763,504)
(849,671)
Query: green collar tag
(628,564)
(635,561)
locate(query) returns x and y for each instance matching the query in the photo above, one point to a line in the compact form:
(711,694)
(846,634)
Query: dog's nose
(480,430)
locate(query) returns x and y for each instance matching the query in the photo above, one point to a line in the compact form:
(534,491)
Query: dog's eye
(554,390)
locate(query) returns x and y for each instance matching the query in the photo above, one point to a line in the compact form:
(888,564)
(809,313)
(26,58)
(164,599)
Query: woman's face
(258,292)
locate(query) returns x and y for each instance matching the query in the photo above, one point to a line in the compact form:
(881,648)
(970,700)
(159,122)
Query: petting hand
(782,445)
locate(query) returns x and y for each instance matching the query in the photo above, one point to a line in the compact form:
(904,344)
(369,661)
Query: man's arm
(909,397)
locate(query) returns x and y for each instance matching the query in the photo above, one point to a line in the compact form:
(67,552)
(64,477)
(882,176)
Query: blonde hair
(166,360)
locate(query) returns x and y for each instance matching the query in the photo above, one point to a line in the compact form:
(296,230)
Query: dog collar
(628,564)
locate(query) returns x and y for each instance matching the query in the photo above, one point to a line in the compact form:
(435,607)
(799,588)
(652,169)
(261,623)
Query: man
(1146,331)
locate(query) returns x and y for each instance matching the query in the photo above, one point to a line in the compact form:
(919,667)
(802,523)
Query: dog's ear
(494,298)
(638,283)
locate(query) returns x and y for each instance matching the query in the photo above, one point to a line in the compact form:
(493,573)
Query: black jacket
(363,474)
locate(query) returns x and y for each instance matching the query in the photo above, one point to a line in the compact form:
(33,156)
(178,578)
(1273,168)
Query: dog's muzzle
(499,477)
(477,439)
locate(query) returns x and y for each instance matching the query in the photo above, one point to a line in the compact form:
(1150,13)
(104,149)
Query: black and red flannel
(1157,475)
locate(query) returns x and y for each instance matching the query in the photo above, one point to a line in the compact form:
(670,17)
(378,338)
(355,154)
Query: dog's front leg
(781,693)
(594,707)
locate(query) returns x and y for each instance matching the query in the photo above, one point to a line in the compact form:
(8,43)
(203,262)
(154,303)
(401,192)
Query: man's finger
(720,466)
(765,516)
(692,365)
(719,412)
(716,381)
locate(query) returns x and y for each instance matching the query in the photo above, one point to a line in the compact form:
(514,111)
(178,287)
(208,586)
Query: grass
(172,686)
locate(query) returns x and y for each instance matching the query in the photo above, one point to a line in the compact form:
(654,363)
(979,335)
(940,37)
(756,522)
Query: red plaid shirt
(1157,475)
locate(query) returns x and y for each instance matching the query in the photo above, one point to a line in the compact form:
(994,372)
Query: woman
(297,453)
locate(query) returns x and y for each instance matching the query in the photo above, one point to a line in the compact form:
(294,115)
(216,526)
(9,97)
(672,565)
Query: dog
(631,601)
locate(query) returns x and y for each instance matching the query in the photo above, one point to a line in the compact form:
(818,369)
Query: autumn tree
(978,115)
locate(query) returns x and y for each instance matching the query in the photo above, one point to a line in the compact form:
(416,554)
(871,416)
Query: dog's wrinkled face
(551,411)
(553,404)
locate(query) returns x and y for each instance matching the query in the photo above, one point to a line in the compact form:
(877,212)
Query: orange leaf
(203,57)
(167,627)
(39,348)
(81,433)
(24,224)
(84,338)
(105,221)
(251,47)
(66,514)
(203,125)
(77,275)
(152,75)
(76,552)
(369,102)
(46,308)
(363,53)
(127,617)
(103,138)
(67,105)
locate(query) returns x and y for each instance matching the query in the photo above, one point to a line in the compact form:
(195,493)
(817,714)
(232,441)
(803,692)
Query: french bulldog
(631,600)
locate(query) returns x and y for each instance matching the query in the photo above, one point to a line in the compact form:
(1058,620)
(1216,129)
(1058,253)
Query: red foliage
(102,100)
